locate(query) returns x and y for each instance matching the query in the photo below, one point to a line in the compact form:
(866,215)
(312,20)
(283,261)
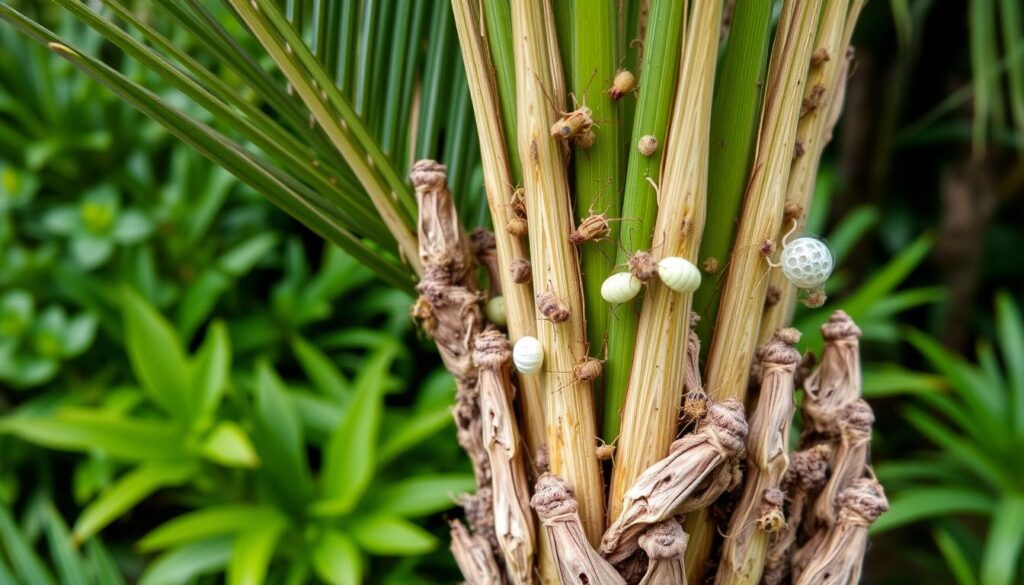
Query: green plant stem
(498,22)
(640,205)
(733,132)
(597,169)
(563,11)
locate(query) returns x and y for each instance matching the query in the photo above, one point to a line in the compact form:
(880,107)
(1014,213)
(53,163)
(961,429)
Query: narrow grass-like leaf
(923,503)
(1010,327)
(956,557)
(321,371)
(183,564)
(497,20)
(1000,561)
(125,493)
(392,536)
(85,431)
(205,523)
(337,559)
(252,553)
(639,201)
(26,564)
(66,559)
(279,440)
(210,369)
(102,565)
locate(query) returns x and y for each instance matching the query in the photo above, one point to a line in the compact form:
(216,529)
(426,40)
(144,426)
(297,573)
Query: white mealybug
(679,274)
(495,310)
(807,262)
(528,355)
(620,287)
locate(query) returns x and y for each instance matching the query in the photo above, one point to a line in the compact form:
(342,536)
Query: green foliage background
(193,387)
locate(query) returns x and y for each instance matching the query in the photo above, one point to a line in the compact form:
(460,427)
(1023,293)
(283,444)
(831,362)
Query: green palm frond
(305,127)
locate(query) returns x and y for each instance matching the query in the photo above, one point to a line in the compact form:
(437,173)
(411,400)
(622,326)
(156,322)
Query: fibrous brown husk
(837,381)
(485,249)
(697,470)
(746,542)
(665,545)
(474,557)
(839,559)
(578,563)
(513,522)
(807,473)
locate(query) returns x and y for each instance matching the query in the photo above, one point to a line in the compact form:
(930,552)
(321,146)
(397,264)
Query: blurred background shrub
(185,370)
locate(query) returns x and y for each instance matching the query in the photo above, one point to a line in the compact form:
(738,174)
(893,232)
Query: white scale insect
(679,274)
(806,262)
(620,287)
(528,355)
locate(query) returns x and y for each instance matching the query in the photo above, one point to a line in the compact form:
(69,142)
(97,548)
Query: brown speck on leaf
(521,272)
(820,57)
(767,246)
(647,145)
(593,228)
(772,296)
(534,152)
(552,307)
(642,266)
(798,148)
(709,265)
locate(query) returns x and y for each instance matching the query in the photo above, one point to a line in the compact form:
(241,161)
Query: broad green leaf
(319,415)
(422,495)
(157,357)
(350,456)
(1010,327)
(923,503)
(125,493)
(228,445)
(325,376)
(183,564)
(87,430)
(253,552)
(211,369)
(279,439)
(102,564)
(63,551)
(205,523)
(392,536)
(337,559)
(956,557)
(1000,562)
(413,432)
(26,564)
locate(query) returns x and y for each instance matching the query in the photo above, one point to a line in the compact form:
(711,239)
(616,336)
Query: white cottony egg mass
(528,355)
(807,262)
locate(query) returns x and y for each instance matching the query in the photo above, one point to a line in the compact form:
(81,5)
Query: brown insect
(643,266)
(647,145)
(593,227)
(521,271)
(623,83)
(573,124)
(604,452)
(517,227)
(552,307)
(587,369)
(586,139)
(709,265)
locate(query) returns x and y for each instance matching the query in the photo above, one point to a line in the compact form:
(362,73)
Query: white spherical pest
(620,287)
(528,355)
(679,274)
(495,310)
(807,262)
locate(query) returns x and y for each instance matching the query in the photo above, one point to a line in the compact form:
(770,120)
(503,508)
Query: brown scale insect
(573,124)
(647,145)
(587,369)
(604,452)
(586,139)
(552,307)
(643,266)
(814,299)
(521,271)
(820,56)
(813,100)
(709,265)
(623,83)
(594,227)
(517,227)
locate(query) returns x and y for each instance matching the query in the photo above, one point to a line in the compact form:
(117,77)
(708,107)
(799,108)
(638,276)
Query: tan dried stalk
(829,69)
(698,469)
(840,558)
(650,413)
(500,193)
(449,304)
(837,380)
(665,545)
(742,302)
(474,557)
(806,475)
(570,421)
(746,541)
(577,561)
(513,522)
